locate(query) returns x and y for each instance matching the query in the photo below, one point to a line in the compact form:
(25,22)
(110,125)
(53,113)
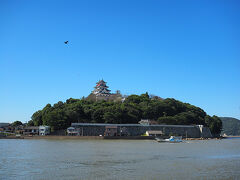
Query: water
(119,159)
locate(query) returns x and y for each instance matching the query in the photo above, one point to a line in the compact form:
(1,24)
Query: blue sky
(187,50)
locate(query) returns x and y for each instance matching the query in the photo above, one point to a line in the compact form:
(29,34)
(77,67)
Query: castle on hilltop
(101,92)
(101,89)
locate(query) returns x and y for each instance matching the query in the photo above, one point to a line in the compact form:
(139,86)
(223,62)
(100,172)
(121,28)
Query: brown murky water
(119,159)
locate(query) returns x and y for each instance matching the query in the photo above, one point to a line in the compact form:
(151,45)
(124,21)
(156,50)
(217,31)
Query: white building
(44,130)
(71,131)
(154,133)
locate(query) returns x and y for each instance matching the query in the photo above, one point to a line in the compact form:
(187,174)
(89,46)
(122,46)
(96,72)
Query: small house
(19,129)
(31,130)
(71,131)
(44,130)
(3,125)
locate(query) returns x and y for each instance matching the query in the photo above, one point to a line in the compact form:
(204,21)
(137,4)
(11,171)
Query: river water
(119,159)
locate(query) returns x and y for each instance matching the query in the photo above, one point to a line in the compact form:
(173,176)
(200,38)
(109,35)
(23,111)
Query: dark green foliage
(30,123)
(17,123)
(37,118)
(214,123)
(231,126)
(132,110)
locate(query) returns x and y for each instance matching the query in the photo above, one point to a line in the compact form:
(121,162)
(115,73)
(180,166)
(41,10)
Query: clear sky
(187,50)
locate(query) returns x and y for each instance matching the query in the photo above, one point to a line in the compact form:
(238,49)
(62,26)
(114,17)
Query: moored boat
(172,139)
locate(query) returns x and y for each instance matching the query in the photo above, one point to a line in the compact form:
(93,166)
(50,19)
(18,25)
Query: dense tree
(37,118)
(214,123)
(30,123)
(17,123)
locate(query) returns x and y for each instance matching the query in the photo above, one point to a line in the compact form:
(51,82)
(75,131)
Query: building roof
(31,127)
(4,124)
(111,127)
(101,88)
(45,127)
(101,81)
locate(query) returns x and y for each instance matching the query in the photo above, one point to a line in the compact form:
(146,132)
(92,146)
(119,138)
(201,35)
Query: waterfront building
(44,130)
(5,127)
(2,125)
(31,130)
(154,133)
(106,129)
(71,131)
(19,129)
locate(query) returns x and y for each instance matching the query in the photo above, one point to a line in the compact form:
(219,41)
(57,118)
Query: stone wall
(110,97)
(88,129)
(206,133)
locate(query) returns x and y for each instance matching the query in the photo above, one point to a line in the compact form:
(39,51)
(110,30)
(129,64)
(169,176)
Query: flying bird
(65,42)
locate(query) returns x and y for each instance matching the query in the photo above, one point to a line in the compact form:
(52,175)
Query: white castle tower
(101,89)
(101,92)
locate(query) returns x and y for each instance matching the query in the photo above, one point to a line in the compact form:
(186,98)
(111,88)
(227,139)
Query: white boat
(172,139)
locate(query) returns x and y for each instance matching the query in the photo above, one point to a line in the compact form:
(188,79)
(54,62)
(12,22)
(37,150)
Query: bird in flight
(65,42)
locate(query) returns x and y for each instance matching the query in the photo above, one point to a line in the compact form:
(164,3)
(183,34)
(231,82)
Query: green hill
(231,126)
(130,111)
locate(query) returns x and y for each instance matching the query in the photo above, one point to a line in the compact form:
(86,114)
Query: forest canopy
(132,110)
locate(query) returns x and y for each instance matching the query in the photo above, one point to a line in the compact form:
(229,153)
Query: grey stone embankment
(190,131)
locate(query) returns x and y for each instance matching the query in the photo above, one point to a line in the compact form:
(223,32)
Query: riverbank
(80,137)
(52,137)
(11,137)
(97,137)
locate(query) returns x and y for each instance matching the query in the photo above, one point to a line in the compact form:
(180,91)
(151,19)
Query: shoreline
(231,136)
(53,137)
(81,137)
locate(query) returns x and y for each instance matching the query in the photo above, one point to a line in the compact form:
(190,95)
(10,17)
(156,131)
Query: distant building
(107,129)
(19,129)
(31,130)
(101,89)
(147,122)
(101,92)
(8,128)
(154,133)
(4,127)
(44,130)
(71,131)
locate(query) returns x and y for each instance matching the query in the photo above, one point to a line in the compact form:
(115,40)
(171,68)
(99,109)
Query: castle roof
(101,88)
